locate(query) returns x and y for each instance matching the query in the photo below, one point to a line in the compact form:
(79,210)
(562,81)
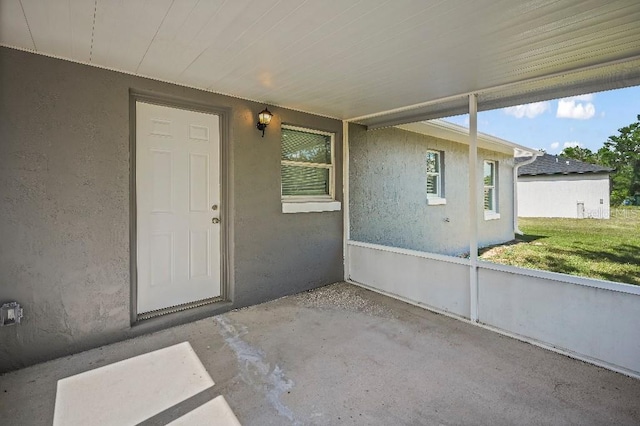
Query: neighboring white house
(410,187)
(554,186)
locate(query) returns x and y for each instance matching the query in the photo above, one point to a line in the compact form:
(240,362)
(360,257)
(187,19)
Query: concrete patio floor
(345,355)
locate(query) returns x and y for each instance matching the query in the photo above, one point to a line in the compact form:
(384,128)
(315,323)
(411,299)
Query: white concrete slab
(344,355)
(215,412)
(131,391)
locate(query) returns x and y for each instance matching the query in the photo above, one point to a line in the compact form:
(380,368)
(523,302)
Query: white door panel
(177,187)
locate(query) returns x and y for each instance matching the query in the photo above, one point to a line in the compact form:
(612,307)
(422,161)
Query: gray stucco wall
(64,221)
(387,192)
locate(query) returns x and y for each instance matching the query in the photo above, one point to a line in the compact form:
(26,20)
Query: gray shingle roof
(555,165)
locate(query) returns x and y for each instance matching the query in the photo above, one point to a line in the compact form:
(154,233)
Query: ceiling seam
(155,35)
(28,27)
(195,36)
(211,16)
(175,34)
(70,27)
(207,46)
(93,29)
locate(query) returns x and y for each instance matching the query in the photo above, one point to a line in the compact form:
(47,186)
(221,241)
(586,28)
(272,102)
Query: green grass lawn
(604,249)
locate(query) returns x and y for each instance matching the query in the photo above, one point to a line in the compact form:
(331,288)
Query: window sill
(491,215)
(311,207)
(436,201)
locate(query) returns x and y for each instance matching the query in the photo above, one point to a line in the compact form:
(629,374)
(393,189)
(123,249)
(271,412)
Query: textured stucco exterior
(65,216)
(387,191)
(559,196)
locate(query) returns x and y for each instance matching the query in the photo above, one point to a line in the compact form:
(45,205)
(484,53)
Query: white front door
(178,206)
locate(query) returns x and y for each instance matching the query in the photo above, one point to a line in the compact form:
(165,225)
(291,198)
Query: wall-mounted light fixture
(264,118)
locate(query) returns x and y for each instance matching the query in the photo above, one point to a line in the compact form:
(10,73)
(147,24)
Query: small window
(490,188)
(435,190)
(433,175)
(307,166)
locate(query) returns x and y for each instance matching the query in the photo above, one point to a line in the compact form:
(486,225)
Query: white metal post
(346,226)
(473,206)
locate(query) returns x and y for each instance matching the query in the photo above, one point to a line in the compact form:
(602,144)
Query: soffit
(346,59)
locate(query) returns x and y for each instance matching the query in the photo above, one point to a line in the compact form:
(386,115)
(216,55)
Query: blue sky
(586,120)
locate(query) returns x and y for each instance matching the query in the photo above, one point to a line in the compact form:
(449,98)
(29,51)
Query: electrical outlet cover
(10,313)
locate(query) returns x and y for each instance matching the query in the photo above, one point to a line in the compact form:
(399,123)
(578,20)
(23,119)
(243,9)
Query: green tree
(622,152)
(579,153)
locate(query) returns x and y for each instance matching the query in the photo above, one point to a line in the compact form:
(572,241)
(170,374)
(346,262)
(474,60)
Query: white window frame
(491,214)
(313,203)
(438,198)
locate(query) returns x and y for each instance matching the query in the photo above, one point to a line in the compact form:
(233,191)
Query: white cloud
(555,145)
(574,109)
(527,110)
(572,145)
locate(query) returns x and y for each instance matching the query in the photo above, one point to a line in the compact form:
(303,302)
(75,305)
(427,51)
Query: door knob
(215,220)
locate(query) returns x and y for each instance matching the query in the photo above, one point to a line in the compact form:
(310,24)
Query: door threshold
(177,308)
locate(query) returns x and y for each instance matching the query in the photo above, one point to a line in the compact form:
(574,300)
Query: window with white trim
(435,186)
(434,189)
(490,190)
(307,168)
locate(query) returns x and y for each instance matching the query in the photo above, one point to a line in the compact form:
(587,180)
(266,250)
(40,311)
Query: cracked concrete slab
(345,355)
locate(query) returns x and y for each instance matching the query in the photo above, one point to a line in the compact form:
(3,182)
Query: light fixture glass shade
(264,117)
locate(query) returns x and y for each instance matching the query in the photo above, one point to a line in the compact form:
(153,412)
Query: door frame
(226,231)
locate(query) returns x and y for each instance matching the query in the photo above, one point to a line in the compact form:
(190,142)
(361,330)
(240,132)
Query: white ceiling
(343,58)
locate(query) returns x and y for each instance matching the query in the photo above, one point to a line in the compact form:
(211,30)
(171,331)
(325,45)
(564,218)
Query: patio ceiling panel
(125,30)
(267,57)
(597,79)
(343,59)
(188,32)
(616,75)
(462,56)
(14,30)
(61,31)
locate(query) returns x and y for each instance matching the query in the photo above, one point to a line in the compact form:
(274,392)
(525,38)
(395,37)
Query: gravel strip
(342,296)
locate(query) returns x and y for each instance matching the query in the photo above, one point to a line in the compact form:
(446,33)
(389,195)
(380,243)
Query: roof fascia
(449,131)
